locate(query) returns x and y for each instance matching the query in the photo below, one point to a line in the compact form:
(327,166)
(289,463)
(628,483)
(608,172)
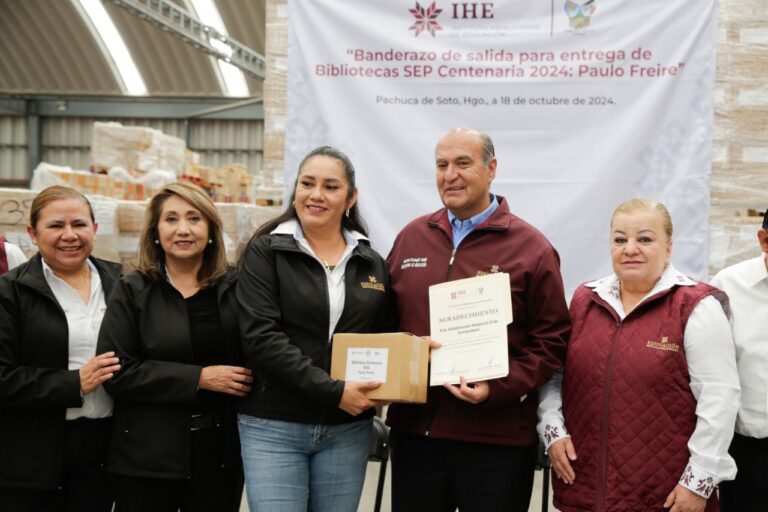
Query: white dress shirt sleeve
(551,426)
(711,357)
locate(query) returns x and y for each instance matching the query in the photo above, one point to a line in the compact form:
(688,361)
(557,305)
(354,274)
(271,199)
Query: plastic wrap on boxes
(19,236)
(105,247)
(240,221)
(136,148)
(732,240)
(130,215)
(139,187)
(275,98)
(105,212)
(128,250)
(740,164)
(46,175)
(14,208)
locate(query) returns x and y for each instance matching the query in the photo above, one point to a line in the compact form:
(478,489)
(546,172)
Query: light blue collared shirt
(461,228)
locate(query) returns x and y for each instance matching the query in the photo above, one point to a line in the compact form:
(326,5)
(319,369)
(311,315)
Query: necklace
(77,282)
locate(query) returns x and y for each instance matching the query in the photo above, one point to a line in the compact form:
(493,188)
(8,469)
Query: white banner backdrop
(588,103)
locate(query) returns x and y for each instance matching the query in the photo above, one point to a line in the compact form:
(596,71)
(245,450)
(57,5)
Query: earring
(347,212)
(157,242)
(210,241)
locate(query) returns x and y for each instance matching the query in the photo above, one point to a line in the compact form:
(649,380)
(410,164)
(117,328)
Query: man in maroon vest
(473,446)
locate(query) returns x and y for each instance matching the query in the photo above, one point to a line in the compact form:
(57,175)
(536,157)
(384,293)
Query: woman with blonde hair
(54,414)
(173,324)
(642,415)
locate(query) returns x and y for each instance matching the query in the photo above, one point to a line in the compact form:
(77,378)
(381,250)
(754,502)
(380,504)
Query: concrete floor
(371,479)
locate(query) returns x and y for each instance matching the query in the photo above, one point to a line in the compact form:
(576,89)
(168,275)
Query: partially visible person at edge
(11,256)
(173,324)
(473,446)
(306,275)
(746,284)
(642,416)
(54,413)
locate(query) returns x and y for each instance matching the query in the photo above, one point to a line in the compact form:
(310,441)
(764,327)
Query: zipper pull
(450,265)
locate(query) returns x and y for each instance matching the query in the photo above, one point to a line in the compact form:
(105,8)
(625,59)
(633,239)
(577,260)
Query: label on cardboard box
(367,364)
(105,211)
(397,360)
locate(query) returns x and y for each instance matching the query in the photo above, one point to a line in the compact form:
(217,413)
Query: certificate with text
(469,317)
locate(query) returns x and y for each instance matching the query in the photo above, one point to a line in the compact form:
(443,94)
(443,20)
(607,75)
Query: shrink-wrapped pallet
(46,175)
(240,221)
(136,148)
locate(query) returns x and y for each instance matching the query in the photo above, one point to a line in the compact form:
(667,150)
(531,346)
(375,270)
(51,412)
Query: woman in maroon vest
(643,414)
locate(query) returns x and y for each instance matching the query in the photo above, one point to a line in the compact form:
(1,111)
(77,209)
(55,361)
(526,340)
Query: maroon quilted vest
(627,402)
(3,257)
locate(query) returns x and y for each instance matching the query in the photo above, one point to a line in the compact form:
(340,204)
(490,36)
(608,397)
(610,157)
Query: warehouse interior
(211,75)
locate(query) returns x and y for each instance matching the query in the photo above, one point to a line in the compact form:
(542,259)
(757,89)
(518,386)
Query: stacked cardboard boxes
(120,223)
(136,148)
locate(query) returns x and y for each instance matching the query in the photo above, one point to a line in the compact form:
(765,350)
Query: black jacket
(147,326)
(284,318)
(36,388)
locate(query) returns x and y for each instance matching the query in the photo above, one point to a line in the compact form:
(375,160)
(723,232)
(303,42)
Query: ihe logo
(472,11)
(426,19)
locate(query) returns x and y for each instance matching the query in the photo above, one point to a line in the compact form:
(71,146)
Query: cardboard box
(14,208)
(398,360)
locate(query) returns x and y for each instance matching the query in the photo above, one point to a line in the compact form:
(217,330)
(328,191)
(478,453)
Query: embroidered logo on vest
(372,284)
(495,269)
(663,344)
(413,263)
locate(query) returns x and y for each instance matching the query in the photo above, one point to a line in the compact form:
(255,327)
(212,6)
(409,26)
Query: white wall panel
(13,151)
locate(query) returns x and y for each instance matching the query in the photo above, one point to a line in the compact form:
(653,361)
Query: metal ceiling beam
(172,18)
(228,106)
(135,108)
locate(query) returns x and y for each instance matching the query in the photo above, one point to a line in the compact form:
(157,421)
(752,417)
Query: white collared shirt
(83,323)
(335,277)
(710,354)
(746,284)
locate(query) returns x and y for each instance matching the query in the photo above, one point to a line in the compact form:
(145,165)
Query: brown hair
(51,194)
(151,254)
(638,203)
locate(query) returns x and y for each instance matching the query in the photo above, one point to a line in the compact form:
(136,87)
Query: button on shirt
(461,228)
(746,284)
(83,323)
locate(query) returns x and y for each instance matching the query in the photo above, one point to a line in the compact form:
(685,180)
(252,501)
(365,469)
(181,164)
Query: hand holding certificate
(469,317)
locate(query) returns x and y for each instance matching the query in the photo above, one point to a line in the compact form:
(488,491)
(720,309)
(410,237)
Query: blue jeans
(294,467)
